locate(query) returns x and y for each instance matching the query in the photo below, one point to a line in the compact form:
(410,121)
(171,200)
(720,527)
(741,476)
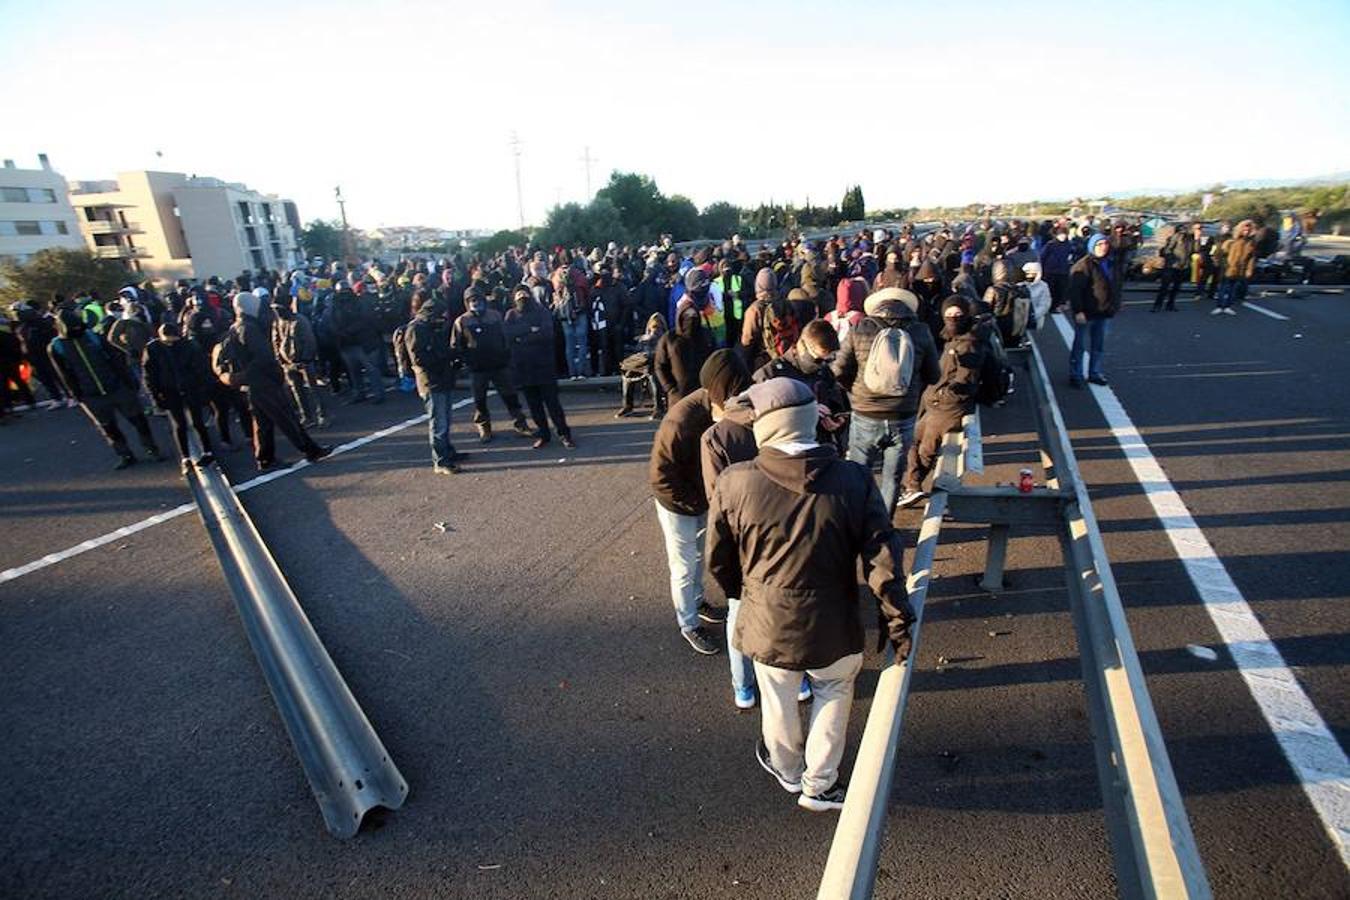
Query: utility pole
(346,232)
(520,202)
(587,159)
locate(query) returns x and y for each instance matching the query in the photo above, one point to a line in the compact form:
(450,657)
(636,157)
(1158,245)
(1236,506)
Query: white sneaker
(910,498)
(1229,311)
(1218,310)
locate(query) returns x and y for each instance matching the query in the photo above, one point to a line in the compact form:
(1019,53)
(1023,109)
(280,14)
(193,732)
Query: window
(7,229)
(61,228)
(257,260)
(245,215)
(14,195)
(90,214)
(251,236)
(27,228)
(53,227)
(41,195)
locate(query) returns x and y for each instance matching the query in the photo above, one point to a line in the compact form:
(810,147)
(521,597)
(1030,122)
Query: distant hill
(1243,184)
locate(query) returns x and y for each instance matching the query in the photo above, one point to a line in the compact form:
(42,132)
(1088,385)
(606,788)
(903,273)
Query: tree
(321,238)
(574,225)
(719,220)
(680,218)
(64,271)
(853,209)
(637,199)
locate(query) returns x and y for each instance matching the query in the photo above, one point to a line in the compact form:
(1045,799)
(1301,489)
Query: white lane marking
(52,559)
(1265,312)
(1317,759)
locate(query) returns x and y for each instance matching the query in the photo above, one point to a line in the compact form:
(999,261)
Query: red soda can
(1025,484)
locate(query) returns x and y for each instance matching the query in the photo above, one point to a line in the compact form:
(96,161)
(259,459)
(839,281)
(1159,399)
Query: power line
(520,202)
(587,159)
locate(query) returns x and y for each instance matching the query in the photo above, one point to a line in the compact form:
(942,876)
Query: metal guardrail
(347,766)
(1153,849)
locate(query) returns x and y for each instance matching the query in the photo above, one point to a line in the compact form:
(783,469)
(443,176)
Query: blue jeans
(742,666)
(1231,291)
(890,438)
(684,552)
(578,349)
(438,404)
(1093,333)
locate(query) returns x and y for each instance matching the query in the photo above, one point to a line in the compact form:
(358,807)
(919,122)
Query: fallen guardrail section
(348,767)
(1152,846)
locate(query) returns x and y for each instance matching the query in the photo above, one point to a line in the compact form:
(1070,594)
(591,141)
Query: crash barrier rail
(1153,850)
(348,768)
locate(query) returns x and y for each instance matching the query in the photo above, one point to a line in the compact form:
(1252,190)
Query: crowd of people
(781,376)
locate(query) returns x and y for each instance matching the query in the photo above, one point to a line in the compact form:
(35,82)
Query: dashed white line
(1313,752)
(159,518)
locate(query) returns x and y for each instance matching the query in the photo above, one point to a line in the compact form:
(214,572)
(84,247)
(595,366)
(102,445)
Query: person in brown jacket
(787,530)
(752,329)
(1239,253)
(681,499)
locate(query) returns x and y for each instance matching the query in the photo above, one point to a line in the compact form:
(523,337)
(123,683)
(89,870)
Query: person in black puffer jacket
(883,424)
(358,335)
(479,337)
(427,338)
(681,354)
(529,333)
(178,377)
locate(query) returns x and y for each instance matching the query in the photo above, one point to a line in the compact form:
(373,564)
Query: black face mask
(955,327)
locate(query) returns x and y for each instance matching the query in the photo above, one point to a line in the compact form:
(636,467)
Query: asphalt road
(559,739)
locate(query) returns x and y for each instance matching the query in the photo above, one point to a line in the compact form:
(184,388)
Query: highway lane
(558,737)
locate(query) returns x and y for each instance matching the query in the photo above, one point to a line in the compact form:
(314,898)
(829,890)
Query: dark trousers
(103,412)
(46,375)
(606,345)
(1231,291)
(932,427)
(182,412)
(225,400)
(303,381)
(541,398)
(271,410)
(1059,289)
(501,380)
(1169,283)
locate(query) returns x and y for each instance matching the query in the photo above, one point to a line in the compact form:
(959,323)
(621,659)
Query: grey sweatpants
(815,759)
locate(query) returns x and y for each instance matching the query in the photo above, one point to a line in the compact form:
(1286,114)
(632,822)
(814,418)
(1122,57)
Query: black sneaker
(624,413)
(125,462)
(1075,382)
(319,453)
(762,755)
(713,615)
(1098,379)
(154,454)
(523,430)
(567,441)
(829,799)
(484,434)
(539,443)
(699,640)
(204,460)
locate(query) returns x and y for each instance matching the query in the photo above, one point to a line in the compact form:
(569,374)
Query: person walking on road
(97,375)
(677,484)
(1239,264)
(529,331)
(885,363)
(479,338)
(1094,299)
(427,338)
(298,352)
(1176,266)
(786,532)
(245,356)
(178,377)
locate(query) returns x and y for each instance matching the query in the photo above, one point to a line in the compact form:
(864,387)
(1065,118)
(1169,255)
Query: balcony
(112,251)
(103,226)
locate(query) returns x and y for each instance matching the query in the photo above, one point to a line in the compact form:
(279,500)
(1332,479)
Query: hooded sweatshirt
(852,362)
(87,364)
(848,309)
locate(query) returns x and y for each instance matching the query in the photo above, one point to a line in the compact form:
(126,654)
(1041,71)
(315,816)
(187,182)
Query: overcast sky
(410,105)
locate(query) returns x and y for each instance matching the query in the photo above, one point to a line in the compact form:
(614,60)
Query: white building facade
(35,211)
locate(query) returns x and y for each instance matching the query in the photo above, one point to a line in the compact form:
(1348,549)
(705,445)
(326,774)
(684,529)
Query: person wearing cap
(529,333)
(786,531)
(479,338)
(882,423)
(297,350)
(1095,283)
(699,297)
(264,385)
(676,477)
(949,398)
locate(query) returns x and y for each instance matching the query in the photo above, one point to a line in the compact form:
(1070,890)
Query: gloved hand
(897,631)
(407,384)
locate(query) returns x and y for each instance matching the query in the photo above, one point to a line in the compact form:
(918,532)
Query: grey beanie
(785,412)
(246,303)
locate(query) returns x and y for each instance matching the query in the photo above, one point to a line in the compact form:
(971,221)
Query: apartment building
(35,212)
(169,225)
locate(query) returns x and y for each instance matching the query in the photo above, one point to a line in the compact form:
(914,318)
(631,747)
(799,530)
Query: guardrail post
(995,556)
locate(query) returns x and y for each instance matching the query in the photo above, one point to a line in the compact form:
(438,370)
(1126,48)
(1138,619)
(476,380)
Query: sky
(410,106)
